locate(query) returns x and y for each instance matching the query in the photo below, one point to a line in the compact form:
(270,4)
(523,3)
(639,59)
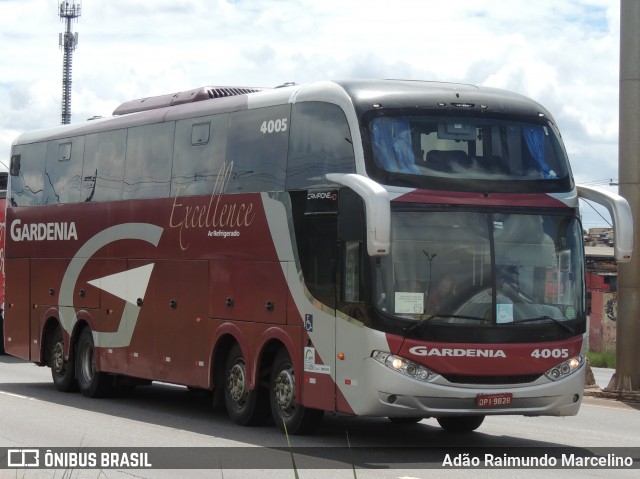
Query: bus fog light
(403,366)
(566,368)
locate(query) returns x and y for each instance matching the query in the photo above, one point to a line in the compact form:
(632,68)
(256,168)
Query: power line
(597,212)
(603,182)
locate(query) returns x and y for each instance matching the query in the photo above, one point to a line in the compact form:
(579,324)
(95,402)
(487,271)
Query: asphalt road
(34,415)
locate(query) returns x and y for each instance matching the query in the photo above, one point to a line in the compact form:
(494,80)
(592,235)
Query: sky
(562,53)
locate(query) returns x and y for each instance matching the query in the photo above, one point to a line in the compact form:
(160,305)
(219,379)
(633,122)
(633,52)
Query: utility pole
(627,375)
(68,43)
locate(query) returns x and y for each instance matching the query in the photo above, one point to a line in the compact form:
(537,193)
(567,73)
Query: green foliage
(605,359)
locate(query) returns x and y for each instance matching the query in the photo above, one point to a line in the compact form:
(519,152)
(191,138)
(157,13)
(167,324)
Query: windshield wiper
(540,318)
(420,323)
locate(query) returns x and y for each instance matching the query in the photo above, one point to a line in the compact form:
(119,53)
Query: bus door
(351,308)
(316,223)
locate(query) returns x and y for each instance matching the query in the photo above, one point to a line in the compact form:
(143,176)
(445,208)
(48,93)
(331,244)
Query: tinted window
(257,147)
(447,152)
(320,143)
(199,154)
(103,169)
(147,172)
(27,184)
(63,170)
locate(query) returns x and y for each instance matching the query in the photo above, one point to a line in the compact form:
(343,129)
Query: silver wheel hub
(285,390)
(237,384)
(57,358)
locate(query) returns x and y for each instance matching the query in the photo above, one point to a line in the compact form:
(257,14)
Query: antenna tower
(68,43)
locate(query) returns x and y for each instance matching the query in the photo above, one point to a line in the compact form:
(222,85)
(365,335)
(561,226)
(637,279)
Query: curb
(626,396)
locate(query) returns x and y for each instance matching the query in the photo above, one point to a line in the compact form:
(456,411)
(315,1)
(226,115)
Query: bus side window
(318,257)
(27,184)
(147,170)
(320,143)
(199,152)
(257,147)
(63,169)
(103,170)
(352,236)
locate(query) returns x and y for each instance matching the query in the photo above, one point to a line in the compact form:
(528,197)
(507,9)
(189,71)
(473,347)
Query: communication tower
(68,43)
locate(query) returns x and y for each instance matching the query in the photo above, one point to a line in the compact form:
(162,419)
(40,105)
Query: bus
(3,207)
(399,249)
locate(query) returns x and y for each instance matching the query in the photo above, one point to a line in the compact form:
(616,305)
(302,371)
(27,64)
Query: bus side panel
(248,291)
(181,347)
(141,322)
(109,318)
(45,283)
(17,330)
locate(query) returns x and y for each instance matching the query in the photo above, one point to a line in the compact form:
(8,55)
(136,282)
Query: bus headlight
(564,369)
(403,366)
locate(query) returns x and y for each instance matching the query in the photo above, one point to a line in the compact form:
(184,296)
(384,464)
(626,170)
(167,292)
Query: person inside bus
(441,301)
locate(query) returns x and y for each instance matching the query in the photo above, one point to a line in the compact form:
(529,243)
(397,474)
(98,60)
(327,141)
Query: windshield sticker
(409,303)
(504,313)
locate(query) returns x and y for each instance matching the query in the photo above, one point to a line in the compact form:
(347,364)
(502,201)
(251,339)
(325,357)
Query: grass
(605,359)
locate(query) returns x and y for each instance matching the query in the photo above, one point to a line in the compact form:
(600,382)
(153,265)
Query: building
(602,289)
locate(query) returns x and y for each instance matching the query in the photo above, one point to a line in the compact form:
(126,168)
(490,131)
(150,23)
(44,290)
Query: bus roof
(362,94)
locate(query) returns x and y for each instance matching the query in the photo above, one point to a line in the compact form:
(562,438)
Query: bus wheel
(460,423)
(92,383)
(62,372)
(245,407)
(289,416)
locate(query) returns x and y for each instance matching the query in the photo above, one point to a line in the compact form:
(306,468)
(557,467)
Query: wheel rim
(57,358)
(237,383)
(284,390)
(88,368)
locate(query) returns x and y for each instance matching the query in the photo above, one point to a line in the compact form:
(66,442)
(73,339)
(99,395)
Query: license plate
(494,400)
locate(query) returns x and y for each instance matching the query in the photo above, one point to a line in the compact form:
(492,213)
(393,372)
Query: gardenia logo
(457,352)
(43,231)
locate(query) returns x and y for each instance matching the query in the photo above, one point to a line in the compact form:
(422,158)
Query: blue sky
(562,53)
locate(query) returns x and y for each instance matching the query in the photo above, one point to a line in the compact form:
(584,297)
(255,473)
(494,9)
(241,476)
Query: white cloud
(564,54)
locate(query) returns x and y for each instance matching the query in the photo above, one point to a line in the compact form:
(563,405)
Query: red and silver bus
(400,249)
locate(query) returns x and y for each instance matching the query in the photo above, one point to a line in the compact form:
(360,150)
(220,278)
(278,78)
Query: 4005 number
(274,126)
(550,353)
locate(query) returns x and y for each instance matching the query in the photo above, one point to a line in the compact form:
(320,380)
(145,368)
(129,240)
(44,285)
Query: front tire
(92,383)
(289,416)
(245,407)
(62,372)
(458,424)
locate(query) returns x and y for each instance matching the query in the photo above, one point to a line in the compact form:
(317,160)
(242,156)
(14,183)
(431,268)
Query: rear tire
(92,383)
(289,416)
(245,407)
(458,424)
(62,371)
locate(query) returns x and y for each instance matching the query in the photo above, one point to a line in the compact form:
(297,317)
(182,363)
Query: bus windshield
(482,268)
(467,148)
